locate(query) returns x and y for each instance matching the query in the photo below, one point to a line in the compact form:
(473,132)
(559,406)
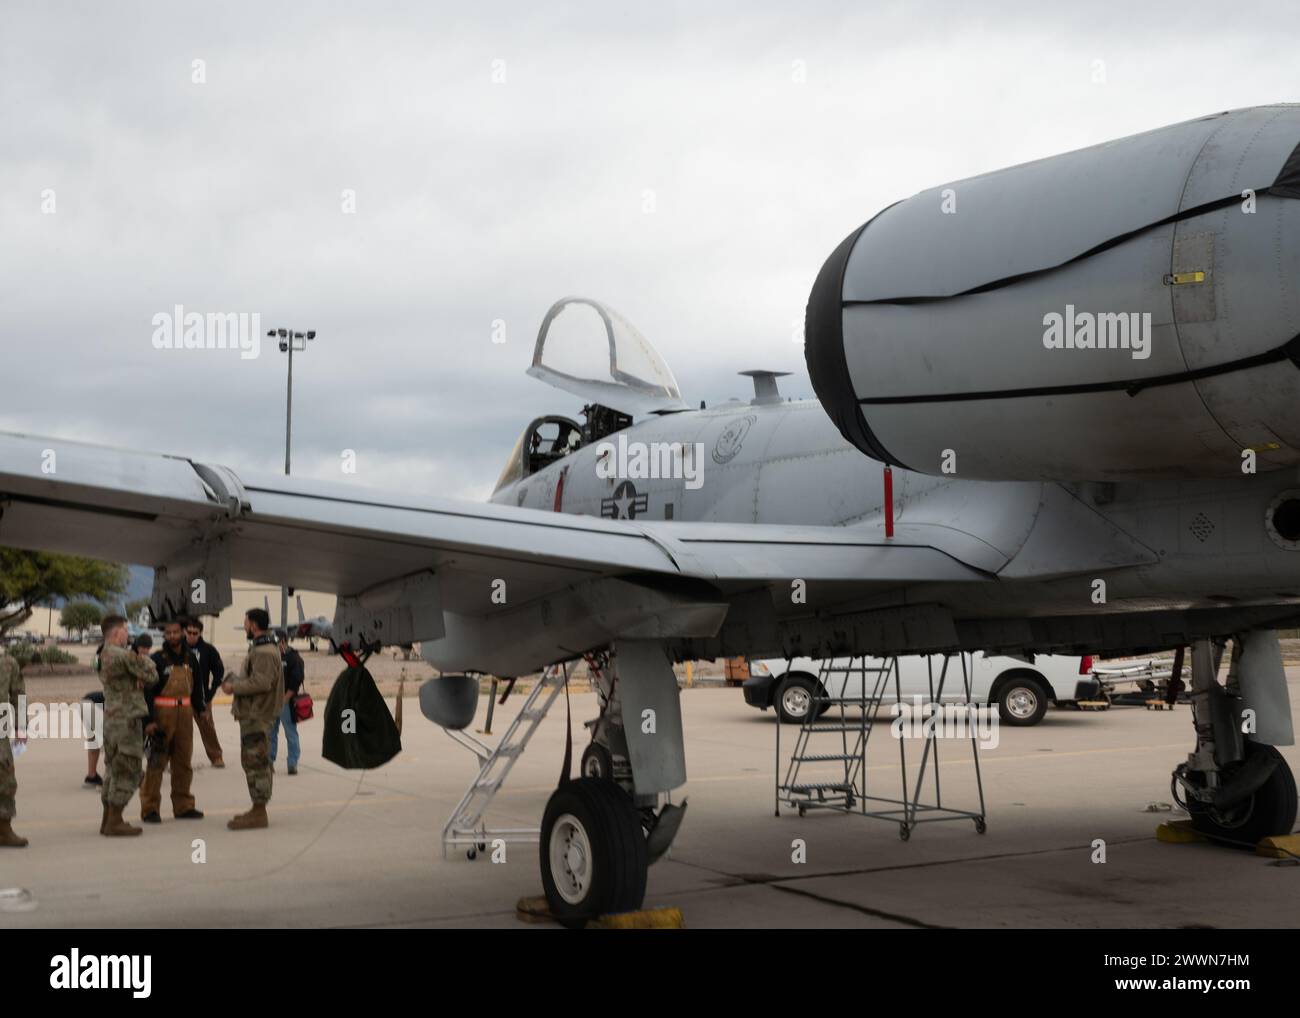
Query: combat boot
(116,827)
(255,817)
(8,839)
(103,822)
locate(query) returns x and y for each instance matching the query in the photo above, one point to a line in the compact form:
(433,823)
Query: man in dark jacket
(209,670)
(294,675)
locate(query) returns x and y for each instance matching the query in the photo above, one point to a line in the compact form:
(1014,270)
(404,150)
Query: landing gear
(601,832)
(592,852)
(1270,809)
(1235,784)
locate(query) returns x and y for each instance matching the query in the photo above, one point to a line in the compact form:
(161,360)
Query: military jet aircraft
(316,628)
(1040,498)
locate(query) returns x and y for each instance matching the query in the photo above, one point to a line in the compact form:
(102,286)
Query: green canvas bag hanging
(365,738)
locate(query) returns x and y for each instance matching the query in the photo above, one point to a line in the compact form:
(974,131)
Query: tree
(30,578)
(134,608)
(78,616)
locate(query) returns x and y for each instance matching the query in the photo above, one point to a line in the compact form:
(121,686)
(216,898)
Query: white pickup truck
(1022,691)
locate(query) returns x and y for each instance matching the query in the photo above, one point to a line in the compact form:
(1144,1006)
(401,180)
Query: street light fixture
(290,342)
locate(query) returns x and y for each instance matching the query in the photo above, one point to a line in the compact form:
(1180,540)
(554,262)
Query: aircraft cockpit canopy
(543,442)
(592,351)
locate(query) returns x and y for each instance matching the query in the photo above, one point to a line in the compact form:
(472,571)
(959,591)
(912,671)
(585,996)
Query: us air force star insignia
(624,504)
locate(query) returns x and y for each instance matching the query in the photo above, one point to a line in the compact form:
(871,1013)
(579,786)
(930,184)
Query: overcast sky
(690,164)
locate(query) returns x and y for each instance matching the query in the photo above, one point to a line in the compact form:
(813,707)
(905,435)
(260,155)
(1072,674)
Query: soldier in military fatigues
(124,675)
(11,687)
(259,694)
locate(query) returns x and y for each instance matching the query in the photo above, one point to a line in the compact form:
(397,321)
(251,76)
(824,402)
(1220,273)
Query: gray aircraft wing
(171,512)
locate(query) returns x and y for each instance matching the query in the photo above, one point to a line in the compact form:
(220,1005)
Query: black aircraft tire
(597,864)
(1270,810)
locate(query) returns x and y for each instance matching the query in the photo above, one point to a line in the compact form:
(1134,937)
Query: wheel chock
(1280,846)
(536,910)
(644,919)
(1179,832)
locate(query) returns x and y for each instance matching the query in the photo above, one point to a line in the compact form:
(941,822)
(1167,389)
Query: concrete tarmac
(363,849)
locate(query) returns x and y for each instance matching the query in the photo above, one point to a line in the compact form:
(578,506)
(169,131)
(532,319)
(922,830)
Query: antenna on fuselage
(765,390)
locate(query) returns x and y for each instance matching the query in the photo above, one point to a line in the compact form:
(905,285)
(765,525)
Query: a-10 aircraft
(1061,497)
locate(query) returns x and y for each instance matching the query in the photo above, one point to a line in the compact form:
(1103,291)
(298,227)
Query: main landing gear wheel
(597,763)
(1268,811)
(592,852)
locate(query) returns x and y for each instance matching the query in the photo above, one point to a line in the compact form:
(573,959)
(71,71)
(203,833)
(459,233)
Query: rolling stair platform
(836,733)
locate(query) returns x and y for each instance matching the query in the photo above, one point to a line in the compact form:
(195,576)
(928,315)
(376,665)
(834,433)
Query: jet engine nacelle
(1127,310)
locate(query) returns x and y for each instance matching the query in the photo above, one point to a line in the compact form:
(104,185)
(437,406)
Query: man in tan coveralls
(124,675)
(259,694)
(11,688)
(173,700)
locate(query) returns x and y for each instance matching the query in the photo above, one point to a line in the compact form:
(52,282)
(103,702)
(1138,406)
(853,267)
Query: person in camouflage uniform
(124,675)
(11,688)
(259,694)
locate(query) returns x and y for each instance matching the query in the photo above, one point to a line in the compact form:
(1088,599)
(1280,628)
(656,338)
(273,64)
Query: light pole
(289,342)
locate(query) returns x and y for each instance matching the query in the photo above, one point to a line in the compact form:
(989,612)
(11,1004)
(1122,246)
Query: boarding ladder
(465,827)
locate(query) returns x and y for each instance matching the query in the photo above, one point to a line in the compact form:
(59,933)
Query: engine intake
(1129,310)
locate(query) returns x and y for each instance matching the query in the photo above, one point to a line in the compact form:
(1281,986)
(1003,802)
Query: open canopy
(592,351)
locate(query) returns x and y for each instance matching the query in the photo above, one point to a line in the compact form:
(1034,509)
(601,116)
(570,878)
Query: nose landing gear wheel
(592,852)
(1268,811)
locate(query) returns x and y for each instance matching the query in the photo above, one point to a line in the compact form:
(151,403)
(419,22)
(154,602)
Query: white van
(1022,691)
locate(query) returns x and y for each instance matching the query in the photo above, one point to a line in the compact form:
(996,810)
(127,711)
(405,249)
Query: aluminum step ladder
(465,827)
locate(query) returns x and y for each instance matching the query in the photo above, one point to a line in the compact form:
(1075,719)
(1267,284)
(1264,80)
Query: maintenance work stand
(827,768)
